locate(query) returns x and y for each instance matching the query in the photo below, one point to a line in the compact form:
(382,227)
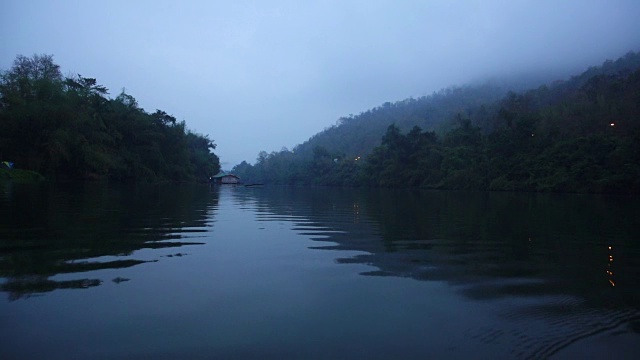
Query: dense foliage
(578,135)
(357,135)
(67,128)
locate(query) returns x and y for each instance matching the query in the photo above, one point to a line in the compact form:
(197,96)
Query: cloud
(260,75)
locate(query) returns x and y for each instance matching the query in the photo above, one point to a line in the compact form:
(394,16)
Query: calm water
(141,271)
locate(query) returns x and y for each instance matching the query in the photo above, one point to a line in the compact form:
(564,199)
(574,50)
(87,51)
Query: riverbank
(20,175)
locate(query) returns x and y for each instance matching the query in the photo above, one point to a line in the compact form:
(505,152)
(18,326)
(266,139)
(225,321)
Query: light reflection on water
(233,272)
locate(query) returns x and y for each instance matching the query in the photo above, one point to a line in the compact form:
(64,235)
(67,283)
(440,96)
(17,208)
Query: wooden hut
(224,178)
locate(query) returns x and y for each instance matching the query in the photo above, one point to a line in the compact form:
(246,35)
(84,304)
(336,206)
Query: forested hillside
(578,135)
(357,135)
(68,128)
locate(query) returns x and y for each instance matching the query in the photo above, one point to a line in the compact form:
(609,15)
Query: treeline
(579,135)
(357,135)
(68,128)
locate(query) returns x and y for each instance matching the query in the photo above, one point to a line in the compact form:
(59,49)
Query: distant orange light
(613,124)
(609,247)
(612,283)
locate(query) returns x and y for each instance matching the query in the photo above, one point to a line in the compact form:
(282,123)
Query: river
(133,271)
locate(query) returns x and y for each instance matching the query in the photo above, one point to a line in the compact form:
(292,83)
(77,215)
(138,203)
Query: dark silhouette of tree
(67,128)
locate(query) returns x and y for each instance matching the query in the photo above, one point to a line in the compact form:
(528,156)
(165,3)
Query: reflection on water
(75,228)
(548,259)
(517,275)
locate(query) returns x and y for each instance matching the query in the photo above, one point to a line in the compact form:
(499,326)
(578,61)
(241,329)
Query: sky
(263,75)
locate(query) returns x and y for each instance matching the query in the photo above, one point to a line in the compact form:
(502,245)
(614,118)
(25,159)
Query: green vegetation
(20,175)
(579,135)
(67,128)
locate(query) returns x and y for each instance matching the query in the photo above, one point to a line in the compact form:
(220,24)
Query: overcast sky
(260,75)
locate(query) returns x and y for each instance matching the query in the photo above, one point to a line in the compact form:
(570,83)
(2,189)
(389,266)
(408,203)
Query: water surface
(179,271)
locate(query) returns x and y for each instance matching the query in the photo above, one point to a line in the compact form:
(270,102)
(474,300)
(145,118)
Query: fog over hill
(260,75)
(574,135)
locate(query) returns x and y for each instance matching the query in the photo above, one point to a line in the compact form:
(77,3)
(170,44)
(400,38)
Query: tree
(69,128)
(37,77)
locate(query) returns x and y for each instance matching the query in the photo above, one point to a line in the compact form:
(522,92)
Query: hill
(357,135)
(571,135)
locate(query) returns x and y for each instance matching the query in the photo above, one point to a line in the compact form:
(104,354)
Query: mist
(265,75)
